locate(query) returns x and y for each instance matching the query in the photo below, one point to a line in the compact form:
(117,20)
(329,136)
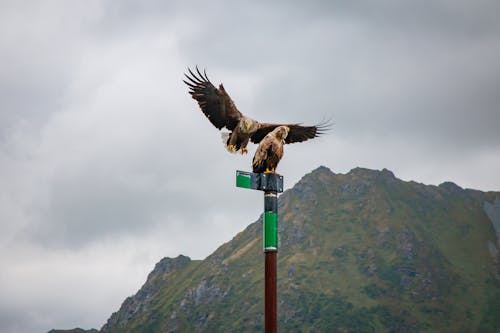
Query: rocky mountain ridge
(359,252)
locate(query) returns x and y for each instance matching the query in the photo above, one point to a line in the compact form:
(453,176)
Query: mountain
(75,330)
(359,252)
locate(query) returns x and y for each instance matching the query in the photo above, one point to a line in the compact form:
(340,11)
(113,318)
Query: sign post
(271,184)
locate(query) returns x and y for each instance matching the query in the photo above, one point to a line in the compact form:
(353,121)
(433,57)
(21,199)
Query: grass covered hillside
(359,252)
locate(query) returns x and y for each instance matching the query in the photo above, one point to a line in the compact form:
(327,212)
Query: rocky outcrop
(139,303)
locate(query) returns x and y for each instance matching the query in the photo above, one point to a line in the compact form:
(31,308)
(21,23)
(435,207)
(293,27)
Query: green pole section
(270,228)
(270,231)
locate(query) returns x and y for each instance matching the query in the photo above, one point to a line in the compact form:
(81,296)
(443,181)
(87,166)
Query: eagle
(270,150)
(221,111)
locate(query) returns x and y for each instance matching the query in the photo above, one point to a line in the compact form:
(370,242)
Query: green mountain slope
(359,252)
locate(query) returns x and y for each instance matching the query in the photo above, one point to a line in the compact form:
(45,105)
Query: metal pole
(270,239)
(270,309)
(271,184)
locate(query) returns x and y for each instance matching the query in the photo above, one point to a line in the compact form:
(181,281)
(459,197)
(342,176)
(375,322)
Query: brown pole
(270,254)
(271,323)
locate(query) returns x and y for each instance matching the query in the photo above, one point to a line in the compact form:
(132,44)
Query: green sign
(243,180)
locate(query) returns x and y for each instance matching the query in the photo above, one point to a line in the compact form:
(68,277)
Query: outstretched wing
(215,103)
(298,133)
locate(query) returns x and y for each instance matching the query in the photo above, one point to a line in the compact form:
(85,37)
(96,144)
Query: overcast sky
(107,164)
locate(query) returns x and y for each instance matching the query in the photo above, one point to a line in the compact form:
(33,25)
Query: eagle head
(281,132)
(248,125)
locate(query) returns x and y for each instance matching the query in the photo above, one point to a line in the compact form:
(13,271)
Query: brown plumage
(270,150)
(222,113)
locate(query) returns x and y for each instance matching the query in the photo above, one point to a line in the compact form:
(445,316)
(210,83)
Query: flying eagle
(270,150)
(222,112)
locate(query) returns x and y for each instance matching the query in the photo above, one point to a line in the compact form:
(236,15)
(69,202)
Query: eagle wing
(298,133)
(215,103)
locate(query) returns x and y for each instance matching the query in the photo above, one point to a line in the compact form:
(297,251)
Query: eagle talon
(231,147)
(269,170)
(244,150)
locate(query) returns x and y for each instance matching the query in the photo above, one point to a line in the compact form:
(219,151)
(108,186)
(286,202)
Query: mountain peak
(167,265)
(75,330)
(322,169)
(318,173)
(323,173)
(371,173)
(451,186)
(164,271)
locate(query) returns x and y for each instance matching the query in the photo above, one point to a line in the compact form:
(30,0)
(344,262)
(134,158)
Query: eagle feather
(221,111)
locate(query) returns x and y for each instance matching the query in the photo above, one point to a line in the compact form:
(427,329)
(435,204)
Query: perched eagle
(221,111)
(270,150)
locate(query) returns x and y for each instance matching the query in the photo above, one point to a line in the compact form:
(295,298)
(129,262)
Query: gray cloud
(100,179)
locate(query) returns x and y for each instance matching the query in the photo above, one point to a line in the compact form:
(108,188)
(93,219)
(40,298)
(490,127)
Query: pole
(271,184)
(270,309)
(270,237)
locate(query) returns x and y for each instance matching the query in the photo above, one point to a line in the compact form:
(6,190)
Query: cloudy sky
(107,165)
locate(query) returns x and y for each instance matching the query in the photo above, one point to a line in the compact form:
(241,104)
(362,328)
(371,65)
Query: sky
(107,165)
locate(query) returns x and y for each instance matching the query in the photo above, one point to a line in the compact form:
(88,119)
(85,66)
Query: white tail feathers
(225,137)
(225,140)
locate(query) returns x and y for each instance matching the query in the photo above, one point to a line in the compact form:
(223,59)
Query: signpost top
(259,181)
